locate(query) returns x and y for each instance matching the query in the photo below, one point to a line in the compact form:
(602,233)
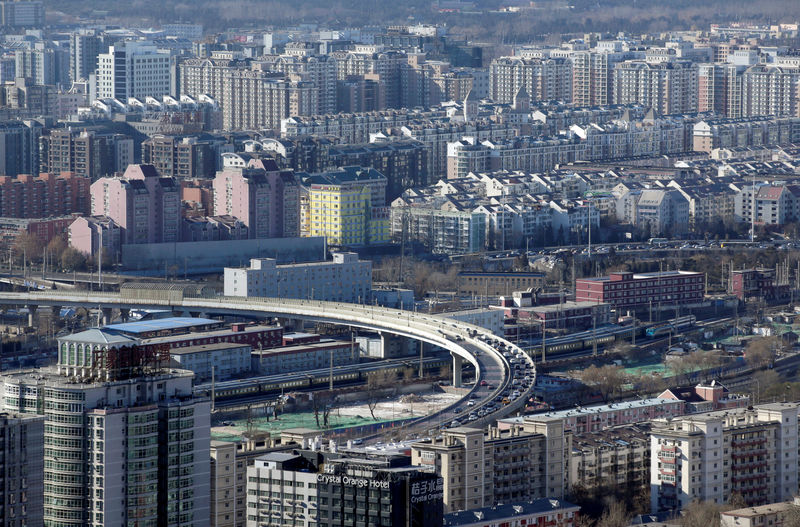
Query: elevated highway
(490,355)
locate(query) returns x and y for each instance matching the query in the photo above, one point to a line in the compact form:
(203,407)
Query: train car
(672,326)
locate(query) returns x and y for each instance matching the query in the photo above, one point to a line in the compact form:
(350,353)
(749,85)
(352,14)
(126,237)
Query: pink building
(145,206)
(261,195)
(86,234)
(706,397)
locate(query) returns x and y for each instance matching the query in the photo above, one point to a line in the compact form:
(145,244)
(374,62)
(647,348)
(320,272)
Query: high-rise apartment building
(708,457)
(262,196)
(133,69)
(319,70)
(43,196)
(667,87)
(85,46)
(86,153)
(19,147)
(145,206)
(125,441)
(21,469)
(206,76)
(543,79)
(770,91)
(480,469)
(255,99)
(347,206)
(41,64)
(22,13)
(719,89)
(184,157)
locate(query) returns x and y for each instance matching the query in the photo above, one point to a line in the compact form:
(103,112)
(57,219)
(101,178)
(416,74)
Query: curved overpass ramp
(489,354)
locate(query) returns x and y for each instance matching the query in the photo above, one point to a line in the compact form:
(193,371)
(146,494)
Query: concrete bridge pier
(108,314)
(457,364)
(55,311)
(124,314)
(32,314)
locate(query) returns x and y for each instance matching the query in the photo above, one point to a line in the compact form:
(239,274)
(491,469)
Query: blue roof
(487,515)
(161,324)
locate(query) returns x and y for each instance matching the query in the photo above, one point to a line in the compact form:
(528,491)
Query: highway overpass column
(124,314)
(456,370)
(107,314)
(31,314)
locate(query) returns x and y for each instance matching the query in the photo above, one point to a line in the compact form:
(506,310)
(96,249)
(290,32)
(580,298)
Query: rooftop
(162,324)
(487,515)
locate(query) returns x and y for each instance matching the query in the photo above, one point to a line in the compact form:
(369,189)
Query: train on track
(604,336)
(308,380)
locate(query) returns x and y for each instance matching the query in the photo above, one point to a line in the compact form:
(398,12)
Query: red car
(484,383)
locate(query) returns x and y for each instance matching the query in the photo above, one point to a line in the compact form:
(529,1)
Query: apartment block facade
(480,469)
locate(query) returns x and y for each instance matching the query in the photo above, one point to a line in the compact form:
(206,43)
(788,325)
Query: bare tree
(608,380)
(615,515)
(761,351)
(377,382)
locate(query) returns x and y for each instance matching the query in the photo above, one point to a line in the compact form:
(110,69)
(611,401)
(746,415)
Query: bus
(658,241)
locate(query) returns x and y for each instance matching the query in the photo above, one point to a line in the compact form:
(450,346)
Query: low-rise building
(224,359)
(758,284)
(550,512)
(706,397)
(772,514)
(633,290)
(318,354)
(344,279)
(479,283)
(591,419)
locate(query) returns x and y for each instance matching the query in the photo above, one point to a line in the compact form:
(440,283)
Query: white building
(281,486)
(227,359)
(708,457)
(345,279)
(133,69)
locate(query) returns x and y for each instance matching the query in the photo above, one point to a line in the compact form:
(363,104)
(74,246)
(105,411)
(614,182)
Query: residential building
(617,458)
(543,79)
(591,419)
(706,397)
(85,153)
(85,46)
(752,131)
(774,204)
(481,469)
(557,513)
(87,234)
(404,164)
(777,514)
(22,469)
(265,198)
(127,446)
(44,196)
(144,205)
(347,206)
(708,457)
(269,502)
(257,99)
(135,69)
(440,231)
(184,157)
(226,359)
(667,87)
(770,90)
(661,211)
(628,290)
(22,13)
(19,144)
(344,279)
(42,64)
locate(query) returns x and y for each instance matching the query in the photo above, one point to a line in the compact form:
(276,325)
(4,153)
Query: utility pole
(594,334)
(213,388)
(421,347)
(330,373)
(544,339)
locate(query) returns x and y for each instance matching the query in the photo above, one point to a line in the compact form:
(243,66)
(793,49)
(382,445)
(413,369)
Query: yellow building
(347,206)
